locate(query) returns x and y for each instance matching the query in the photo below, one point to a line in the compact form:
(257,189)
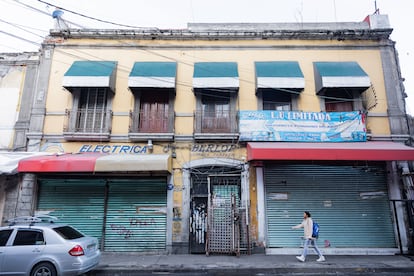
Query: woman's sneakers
(300,258)
(321,259)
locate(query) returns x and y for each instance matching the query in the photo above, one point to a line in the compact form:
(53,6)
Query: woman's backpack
(315,230)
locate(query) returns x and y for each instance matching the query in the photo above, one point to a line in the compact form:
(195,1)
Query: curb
(123,271)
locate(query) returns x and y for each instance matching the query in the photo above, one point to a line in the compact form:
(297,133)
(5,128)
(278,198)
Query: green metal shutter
(350,203)
(78,202)
(136,215)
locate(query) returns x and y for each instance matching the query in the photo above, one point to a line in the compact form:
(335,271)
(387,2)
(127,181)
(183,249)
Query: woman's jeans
(306,245)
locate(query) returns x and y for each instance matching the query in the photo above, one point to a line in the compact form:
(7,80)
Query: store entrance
(208,183)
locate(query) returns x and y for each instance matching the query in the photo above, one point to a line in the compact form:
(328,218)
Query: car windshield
(68,233)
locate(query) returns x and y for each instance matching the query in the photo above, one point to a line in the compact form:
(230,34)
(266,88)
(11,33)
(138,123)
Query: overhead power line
(45,13)
(21,38)
(20,28)
(90,17)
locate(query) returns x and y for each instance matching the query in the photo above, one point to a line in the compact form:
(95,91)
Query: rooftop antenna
(376,8)
(60,23)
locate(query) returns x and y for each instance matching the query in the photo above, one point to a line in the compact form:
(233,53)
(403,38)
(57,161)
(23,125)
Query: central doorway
(207,184)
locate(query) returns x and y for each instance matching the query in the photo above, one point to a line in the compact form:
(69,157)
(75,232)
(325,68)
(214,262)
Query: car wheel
(44,269)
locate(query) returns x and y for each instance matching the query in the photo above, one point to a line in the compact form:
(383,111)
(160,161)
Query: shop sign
(295,126)
(222,150)
(117,148)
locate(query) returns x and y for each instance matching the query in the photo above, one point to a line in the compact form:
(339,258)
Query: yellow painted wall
(60,99)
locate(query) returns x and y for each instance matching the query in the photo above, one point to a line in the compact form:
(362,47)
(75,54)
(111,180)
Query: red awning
(96,162)
(10,160)
(60,163)
(368,151)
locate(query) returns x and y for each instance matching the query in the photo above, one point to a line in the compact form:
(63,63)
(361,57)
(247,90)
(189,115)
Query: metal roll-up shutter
(350,203)
(78,202)
(136,215)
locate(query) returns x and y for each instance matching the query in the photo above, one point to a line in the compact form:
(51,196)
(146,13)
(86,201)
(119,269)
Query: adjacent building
(18,79)
(216,138)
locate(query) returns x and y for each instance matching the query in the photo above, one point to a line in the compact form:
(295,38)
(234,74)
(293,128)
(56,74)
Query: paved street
(249,273)
(257,264)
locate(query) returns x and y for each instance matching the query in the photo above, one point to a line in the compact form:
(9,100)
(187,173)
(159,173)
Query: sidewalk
(118,263)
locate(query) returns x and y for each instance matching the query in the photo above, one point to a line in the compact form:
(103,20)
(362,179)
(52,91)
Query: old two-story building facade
(18,77)
(216,138)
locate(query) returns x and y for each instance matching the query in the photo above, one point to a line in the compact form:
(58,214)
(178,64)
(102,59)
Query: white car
(35,246)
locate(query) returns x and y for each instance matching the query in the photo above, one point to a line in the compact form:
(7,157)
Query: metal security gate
(124,214)
(350,203)
(223,226)
(219,183)
(199,203)
(79,202)
(198,216)
(136,217)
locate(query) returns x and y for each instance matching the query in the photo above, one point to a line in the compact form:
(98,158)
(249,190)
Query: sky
(24,23)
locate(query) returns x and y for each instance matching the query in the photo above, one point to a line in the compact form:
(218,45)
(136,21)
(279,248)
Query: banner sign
(295,126)
(108,148)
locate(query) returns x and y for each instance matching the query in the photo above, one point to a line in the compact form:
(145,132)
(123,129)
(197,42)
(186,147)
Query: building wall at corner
(18,78)
(29,89)
(38,111)
(394,91)
(18,81)
(11,81)
(19,200)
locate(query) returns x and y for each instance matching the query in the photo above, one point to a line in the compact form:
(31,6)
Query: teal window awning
(90,74)
(153,74)
(216,75)
(333,75)
(279,75)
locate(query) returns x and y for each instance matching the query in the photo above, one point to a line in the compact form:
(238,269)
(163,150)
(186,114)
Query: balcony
(219,125)
(87,125)
(158,126)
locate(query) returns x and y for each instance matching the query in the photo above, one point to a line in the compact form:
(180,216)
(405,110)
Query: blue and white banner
(295,126)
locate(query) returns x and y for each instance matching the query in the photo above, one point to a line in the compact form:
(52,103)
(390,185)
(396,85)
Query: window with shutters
(342,100)
(90,118)
(216,116)
(153,115)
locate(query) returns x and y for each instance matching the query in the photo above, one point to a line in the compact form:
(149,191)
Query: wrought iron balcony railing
(87,124)
(157,125)
(216,122)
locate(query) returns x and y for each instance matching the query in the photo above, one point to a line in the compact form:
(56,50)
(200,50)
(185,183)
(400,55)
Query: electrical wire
(7,46)
(43,12)
(153,52)
(90,17)
(21,38)
(20,28)
(191,63)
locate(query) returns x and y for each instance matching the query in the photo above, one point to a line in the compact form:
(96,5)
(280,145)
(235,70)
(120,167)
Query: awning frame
(279,75)
(218,75)
(153,75)
(340,75)
(90,74)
